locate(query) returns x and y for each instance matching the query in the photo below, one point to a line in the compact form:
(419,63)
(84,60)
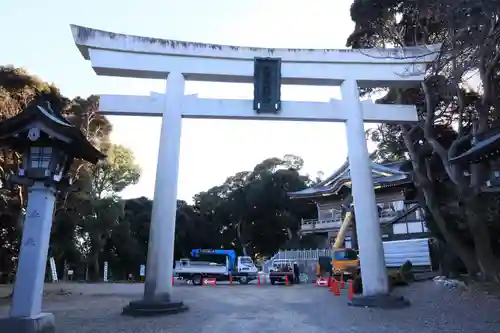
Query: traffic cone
(342,286)
(336,290)
(333,285)
(286,280)
(351,290)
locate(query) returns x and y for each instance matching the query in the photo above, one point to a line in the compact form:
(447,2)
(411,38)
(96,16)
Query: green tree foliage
(17,90)
(115,173)
(250,212)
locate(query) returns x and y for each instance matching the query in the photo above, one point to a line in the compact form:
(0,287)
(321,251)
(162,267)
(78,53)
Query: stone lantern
(48,144)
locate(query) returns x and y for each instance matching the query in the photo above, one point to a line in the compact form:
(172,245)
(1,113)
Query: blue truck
(239,269)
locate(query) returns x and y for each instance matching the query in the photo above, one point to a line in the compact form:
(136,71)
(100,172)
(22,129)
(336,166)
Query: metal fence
(300,255)
(396,253)
(304,257)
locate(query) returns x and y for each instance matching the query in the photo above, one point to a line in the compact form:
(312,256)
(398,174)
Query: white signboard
(105,271)
(53,269)
(142,270)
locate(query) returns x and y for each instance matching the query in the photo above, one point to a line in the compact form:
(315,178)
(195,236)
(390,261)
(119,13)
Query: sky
(36,35)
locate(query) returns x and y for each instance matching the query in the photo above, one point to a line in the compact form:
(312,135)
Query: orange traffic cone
(333,285)
(286,280)
(336,290)
(351,290)
(342,286)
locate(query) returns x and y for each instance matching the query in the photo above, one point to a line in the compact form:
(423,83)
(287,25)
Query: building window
(348,242)
(400,228)
(398,205)
(324,215)
(390,209)
(413,227)
(420,214)
(329,214)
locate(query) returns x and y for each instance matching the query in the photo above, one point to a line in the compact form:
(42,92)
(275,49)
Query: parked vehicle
(281,270)
(239,269)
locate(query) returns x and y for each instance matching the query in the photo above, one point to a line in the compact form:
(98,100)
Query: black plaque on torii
(267,85)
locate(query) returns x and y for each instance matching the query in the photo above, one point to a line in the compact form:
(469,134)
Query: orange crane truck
(345,261)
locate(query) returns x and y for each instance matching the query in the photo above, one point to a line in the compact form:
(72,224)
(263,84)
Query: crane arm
(230,253)
(342,231)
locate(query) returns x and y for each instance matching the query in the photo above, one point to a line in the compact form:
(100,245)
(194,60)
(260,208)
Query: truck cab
(246,266)
(345,261)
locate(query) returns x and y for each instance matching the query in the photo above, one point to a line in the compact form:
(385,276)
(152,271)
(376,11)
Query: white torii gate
(121,55)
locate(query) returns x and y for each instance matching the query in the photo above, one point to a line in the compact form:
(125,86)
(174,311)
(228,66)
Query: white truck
(281,271)
(240,269)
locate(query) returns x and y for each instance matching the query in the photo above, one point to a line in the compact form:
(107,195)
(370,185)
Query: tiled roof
(384,175)
(487,148)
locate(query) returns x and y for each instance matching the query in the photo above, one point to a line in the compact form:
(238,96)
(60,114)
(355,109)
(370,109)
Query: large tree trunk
(422,181)
(291,241)
(487,262)
(241,239)
(97,269)
(451,237)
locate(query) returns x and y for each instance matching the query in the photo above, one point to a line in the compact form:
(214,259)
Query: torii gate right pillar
(373,270)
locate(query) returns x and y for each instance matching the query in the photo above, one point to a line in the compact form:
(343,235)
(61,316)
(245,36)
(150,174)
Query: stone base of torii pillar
(152,307)
(40,323)
(386,301)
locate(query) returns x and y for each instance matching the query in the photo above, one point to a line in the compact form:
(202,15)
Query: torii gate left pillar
(131,56)
(160,260)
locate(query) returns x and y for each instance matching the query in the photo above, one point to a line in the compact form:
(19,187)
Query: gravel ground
(96,308)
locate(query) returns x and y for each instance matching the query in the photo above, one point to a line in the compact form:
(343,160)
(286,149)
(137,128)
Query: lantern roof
(40,114)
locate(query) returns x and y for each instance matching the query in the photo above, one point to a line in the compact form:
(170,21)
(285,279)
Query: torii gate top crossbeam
(141,57)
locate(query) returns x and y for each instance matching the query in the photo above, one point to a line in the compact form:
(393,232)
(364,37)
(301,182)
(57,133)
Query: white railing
(317,221)
(336,222)
(297,255)
(395,254)
(312,224)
